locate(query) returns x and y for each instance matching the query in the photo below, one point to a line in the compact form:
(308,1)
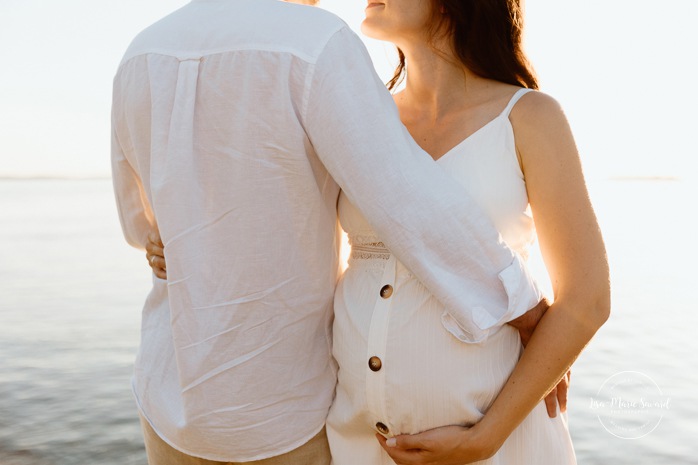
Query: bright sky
(624,70)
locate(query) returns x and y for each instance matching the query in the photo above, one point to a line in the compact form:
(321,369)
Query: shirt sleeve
(135,213)
(422,214)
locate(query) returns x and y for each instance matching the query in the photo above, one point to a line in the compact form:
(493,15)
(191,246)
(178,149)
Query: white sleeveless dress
(400,370)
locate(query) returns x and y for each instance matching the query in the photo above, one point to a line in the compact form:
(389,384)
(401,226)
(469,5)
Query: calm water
(71,290)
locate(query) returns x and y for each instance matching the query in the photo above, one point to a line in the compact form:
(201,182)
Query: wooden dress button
(382,428)
(386,291)
(375,363)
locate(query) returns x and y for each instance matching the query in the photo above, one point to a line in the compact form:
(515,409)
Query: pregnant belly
(427,378)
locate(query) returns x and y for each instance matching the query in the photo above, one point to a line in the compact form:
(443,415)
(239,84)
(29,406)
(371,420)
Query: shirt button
(382,428)
(374,363)
(386,291)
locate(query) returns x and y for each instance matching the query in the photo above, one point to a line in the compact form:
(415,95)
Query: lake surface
(71,292)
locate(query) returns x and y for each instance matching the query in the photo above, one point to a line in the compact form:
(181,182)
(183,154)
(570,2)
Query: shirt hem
(220,458)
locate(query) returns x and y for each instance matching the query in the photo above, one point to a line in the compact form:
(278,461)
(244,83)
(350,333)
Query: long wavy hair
(486,36)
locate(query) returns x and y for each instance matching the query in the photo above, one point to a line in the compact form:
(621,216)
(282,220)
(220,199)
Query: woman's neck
(437,83)
(443,102)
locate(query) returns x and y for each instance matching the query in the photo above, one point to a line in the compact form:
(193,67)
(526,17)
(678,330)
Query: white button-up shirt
(235,123)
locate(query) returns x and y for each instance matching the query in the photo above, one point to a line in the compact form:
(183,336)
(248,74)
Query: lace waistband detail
(370,251)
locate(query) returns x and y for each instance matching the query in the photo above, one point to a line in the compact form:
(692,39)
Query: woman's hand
(448,445)
(155,253)
(558,396)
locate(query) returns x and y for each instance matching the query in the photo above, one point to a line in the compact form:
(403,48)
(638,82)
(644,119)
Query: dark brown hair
(486,37)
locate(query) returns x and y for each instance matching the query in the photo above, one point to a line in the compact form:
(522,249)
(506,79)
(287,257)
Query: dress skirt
(402,372)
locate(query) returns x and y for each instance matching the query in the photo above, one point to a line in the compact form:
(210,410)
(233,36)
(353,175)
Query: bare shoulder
(539,121)
(537,110)
(543,135)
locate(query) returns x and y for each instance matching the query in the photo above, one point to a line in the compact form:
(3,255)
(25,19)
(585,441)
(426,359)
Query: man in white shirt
(235,123)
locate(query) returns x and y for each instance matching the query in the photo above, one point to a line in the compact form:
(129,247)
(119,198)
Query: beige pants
(314,452)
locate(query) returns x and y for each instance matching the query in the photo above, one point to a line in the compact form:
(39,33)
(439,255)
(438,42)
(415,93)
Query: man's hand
(448,445)
(155,253)
(526,324)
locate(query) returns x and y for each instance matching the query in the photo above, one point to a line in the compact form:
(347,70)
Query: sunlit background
(624,70)
(71,290)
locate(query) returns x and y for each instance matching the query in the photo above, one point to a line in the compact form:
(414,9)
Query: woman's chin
(369,29)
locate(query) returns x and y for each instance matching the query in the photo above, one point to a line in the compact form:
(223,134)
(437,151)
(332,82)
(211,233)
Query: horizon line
(53,177)
(94,177)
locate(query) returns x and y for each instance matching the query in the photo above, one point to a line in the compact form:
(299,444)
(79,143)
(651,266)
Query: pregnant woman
(469,102)
(411,387)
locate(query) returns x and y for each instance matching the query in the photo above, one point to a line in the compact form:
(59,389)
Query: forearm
(135,214)
(574,254)
(403,194)
(559,338)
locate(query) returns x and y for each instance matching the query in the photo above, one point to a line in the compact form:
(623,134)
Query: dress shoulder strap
(515,98)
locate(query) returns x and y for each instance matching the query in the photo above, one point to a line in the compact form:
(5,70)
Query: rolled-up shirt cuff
(523,293)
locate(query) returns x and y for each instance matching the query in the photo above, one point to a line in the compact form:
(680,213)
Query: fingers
(409,442)
(158,265)
(442,445)
(551,403)
(563,391)
(160,273)
(391,442)
(405,442)
(154,237)
(155,254)
(390,450)
(154,249)
(562,396)
(398,453)
(558,396)
(155,261)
